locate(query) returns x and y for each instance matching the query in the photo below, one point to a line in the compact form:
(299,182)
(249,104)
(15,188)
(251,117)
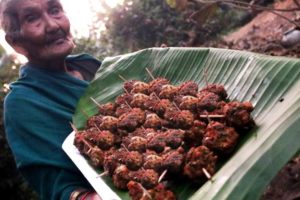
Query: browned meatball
(153,121)
(140,87)
(156,85)
(125,98)
(138,100)
(107,109)
(130,121)
(238,115)
(208,101)
(94,121)
(220,138)
(147,177)
(194,135)
(168,92)
(197,159)
(188,88)
(217,89)
(121,177)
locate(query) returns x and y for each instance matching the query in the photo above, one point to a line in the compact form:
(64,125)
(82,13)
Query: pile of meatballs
(156,131)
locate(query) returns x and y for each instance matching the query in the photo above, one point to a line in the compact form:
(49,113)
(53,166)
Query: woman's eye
(54,11)
(30,18)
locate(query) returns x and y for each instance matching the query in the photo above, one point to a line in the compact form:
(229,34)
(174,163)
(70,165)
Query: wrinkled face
(44,30)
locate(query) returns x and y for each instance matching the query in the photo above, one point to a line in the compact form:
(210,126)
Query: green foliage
(143,24)
(271,84)
(11,182)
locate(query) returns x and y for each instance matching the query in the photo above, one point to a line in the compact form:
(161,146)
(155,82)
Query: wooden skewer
(162,175)
(212,116)
(206,173)
(176,106)
(84,113)
(145,192)
(105,173)
(94,100)
(121,77)
(82,139)
(125,147)
(205,76)
(150,74)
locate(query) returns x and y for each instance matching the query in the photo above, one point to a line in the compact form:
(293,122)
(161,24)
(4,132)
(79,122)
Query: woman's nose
(51,24)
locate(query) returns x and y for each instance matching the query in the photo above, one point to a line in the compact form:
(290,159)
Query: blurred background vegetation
(133,26)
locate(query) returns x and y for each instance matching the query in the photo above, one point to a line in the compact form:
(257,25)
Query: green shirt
(37,116)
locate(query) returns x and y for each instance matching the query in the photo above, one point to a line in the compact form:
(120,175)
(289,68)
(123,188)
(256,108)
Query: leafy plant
(270,83)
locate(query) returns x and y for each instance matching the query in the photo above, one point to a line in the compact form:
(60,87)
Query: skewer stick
(121,77)
(125,147)
(105,173)
(206,173)
(162,175)
(212,116)
(95,102)
(205,76)
(176,106)
(145,192)
(84,113)
(73,127)
(150,74)
(82,139)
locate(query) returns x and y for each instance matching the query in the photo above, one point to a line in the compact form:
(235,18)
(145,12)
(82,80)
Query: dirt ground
(265,32)
(264,35)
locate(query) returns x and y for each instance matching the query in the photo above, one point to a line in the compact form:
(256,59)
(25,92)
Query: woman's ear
(16,45)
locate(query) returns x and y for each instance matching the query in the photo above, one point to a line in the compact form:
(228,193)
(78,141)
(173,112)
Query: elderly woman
(39,108)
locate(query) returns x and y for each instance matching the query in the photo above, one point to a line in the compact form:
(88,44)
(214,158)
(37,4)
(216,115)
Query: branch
(247,6)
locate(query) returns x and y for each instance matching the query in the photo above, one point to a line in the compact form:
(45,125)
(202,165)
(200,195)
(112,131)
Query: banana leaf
(272,84)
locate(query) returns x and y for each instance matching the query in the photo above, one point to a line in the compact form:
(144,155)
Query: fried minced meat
(124,98)
(173,160)
(220,138)
(156,142)
(152,102)
(133,160)
(94,121)
(174,137)
(128,85)
(140,87)
(159,192)
(194,135)
(130,121)
(122,109)
(156,85)
(153,121)
(107,109)
(182,119)
(103,139)
(109,123)
(197,160)
(208,101)
(138,101)
(217,89)
(238,115)
(136,143)
(137,140)
(121,177)
(168,92)
(187,103)
(153,161)
(147,177)
(111,161)
(85,147)
(189,88)
(162,106)
(96,156)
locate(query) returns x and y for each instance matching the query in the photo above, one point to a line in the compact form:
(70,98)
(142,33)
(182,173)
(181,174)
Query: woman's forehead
(23,4)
